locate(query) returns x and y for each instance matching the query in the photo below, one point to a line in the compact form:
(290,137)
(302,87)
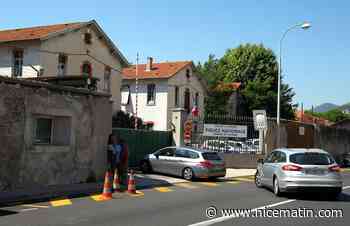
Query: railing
(248,144)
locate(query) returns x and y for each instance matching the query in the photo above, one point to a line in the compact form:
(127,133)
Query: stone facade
(81,123)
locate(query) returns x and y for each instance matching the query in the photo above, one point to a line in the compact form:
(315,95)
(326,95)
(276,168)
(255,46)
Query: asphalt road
(183,204)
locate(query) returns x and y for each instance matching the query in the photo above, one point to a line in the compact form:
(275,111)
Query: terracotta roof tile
(159,70)
(228,86)
(34,33)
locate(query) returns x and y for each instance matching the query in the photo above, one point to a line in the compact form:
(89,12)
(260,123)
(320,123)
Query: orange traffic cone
(131,183)
(107,187)
(116,183)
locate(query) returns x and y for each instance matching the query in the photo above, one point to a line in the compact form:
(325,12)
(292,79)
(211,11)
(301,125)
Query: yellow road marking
(98,198)
(186,185)
(163,189)
(210,184)
(138,194)
(244,179)
(35,206)
(62,202)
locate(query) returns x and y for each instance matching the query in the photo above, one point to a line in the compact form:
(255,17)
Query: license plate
(314,171)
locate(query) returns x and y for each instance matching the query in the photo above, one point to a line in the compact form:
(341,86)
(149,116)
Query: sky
(315,61)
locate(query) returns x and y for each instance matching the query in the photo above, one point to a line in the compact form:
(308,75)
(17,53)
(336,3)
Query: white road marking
(35,206)
(225,218)
(24,210)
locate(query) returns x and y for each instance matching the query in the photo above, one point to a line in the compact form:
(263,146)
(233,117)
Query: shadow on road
(318,196)
(7,212)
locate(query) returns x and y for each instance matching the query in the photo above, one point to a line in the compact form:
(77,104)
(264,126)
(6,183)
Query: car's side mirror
(261,161)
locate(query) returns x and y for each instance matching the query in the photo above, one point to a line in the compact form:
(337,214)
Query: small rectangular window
(43,131)
(151,94)
(52,130)
(107,79)
(176,96)
(87,38)
(17,67)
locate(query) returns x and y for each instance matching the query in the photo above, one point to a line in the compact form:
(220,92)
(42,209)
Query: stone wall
(24,164)
(334,140)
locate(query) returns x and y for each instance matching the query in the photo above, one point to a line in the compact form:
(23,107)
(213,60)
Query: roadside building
(71,53)
(50,135)
(301,116)
(161,88)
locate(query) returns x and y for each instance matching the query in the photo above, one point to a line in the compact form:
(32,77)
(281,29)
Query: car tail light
(291,167)
(334,168)
(206,164)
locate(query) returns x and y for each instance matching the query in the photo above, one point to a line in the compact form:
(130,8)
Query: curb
(345,170)
(93,189)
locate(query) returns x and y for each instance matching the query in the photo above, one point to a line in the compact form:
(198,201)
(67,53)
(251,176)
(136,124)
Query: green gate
(142,142)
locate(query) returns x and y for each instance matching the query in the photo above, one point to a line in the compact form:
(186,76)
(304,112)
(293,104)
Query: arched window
(86,69)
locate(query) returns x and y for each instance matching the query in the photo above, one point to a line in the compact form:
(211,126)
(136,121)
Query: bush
(122,119)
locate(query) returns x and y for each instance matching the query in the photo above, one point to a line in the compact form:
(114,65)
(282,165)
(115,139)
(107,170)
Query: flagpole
(136,89)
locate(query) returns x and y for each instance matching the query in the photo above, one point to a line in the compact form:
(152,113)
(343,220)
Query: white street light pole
(304,26)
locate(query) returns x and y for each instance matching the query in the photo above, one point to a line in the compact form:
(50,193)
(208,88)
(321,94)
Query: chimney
(149,63)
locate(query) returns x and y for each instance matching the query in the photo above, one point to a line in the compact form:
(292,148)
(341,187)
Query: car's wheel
(146,167)
(258,179)
(334,194)
(187,174)
(276,187)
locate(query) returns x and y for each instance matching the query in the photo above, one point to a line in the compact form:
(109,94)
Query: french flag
(195,111)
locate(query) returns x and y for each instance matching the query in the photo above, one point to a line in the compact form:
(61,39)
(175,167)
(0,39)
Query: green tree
(122,119)
(210,71)
(256,68)
(334,115)
(216,101)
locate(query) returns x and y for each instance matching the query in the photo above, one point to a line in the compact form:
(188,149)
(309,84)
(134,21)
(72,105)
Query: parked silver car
(186,162)
(286,170)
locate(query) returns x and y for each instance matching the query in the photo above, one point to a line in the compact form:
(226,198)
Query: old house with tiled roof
(161,88)
(67,51)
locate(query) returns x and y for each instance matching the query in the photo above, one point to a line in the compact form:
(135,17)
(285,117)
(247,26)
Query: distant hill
(344,107)
(325,107)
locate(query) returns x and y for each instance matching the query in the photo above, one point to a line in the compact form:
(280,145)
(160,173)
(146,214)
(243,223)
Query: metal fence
(142,142)
(247,144)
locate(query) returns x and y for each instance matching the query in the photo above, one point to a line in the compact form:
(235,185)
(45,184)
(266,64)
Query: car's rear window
(211,156)
(311,159)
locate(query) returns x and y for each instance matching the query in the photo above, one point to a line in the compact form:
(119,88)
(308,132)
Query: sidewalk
(230,173)
(143,181)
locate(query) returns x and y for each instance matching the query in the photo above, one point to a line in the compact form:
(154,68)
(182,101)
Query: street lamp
(304,26)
